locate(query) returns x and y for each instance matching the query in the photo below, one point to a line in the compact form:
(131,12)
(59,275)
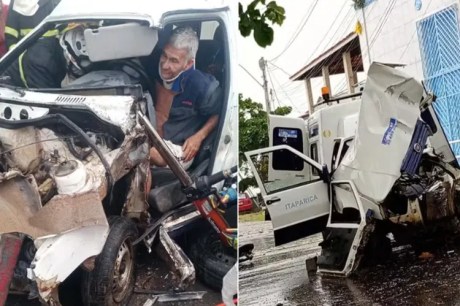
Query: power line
(260,84)
(302,21)
(348,20)
(335,58)
(290,86)
(287,96)
(381,23)
(383,20)
(413,34)
(342,85)
(297,33)
(344,30)
(329,29)
(277,67)
(332,37)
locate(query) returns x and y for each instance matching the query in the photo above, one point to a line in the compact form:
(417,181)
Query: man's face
(173,61)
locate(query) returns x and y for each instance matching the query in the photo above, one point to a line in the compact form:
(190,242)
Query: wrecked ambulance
(76,189)
(359,170)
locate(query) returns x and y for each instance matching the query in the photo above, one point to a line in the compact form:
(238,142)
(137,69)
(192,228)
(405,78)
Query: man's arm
(193,143)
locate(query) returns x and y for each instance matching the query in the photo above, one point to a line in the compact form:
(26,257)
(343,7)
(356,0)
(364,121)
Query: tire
(212,259)
(99,286)
(267,215)
(378,249)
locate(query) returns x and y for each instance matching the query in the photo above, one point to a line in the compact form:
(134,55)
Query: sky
(319,24)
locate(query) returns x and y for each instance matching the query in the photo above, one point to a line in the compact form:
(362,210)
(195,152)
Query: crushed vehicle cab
(76,189)
(359,170)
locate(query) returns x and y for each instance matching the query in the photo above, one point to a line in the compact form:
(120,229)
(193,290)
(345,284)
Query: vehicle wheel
(378,249)
(212,260)
(267,215)
(112,280)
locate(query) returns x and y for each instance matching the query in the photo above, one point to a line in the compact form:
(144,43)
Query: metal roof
(333,58)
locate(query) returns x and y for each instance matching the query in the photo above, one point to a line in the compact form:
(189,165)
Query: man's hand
(191,146)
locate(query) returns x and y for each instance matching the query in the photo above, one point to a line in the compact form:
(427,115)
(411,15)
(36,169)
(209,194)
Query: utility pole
(272,98)
(263,66)
(367,37)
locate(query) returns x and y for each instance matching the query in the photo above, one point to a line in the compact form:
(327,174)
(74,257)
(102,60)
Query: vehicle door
(298,203)
(286,131)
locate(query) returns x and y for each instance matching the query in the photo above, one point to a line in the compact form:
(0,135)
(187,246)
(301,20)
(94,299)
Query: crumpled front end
(58,256)
(57,179)
(67,231)
(405,174)
(388,115)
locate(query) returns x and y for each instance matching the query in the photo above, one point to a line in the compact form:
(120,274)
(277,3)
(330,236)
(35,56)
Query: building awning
(333,58)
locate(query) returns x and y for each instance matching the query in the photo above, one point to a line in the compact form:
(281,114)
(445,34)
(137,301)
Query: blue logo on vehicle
(390,131)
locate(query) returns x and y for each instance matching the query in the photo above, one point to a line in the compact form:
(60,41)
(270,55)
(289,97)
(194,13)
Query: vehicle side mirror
(325,175)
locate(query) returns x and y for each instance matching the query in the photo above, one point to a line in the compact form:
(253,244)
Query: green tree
(259,17)
(359,4)
(253,133)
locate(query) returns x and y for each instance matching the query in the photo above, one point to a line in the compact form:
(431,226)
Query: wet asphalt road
(151,274)
(277,276)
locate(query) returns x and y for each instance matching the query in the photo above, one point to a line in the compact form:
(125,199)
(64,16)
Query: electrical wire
(340,26)
(342,84)
(332,37)
(413,34)
(382,21)
(253,77)
(344,30)
(288,97)
(296,35)
(277,67)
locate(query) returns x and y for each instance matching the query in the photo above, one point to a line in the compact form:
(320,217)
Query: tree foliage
(253,133)
(358,4)
(259,21)
(252,124)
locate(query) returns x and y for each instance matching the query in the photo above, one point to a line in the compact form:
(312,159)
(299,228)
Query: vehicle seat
(210,58)
(166,192)
(163,175)
(167,196)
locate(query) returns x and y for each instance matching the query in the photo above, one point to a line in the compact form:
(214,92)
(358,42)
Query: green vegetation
(249,217)
(256,18)
(253,133)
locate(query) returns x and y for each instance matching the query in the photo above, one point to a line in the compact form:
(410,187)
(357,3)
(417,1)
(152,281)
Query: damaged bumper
(58,256)
(67,231)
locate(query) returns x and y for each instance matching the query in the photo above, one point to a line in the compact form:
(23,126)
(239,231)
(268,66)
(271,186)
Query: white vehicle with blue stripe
(360,170)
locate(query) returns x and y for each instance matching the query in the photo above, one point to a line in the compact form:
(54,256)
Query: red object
(10,246)
(235,301)
(214,217)
(244,203)
(3,18)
